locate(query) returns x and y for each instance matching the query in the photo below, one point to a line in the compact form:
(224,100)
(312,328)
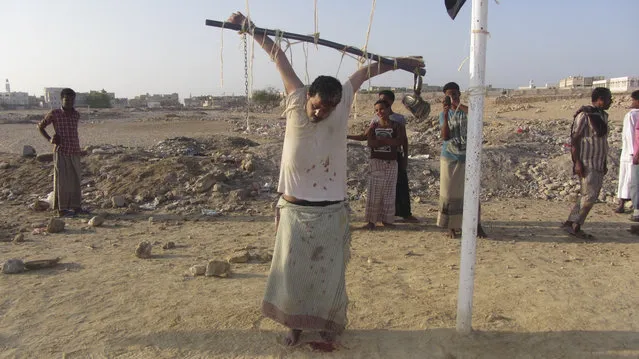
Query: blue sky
(161,46)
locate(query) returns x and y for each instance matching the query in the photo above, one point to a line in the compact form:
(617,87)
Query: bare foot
(480,232)
(293,337)
(327,336)
(370,226)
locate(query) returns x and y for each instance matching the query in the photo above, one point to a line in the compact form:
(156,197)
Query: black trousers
(402,195)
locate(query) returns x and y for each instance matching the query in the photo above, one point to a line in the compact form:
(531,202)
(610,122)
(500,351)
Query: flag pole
(478,39)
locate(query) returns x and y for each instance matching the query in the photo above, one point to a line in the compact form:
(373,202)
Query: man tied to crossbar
(306,285)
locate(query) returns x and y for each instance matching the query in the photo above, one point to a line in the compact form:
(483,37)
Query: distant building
(571,82)
(198,101)
(14,99)
(120,102)
(81,99)
(156,101)
(624,84)
(52,97)
(531,85)
(601,83)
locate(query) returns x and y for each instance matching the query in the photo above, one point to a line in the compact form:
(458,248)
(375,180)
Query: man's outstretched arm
(290,79)
(376,68)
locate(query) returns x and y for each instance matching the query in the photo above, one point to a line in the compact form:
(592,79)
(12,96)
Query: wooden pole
(305,38)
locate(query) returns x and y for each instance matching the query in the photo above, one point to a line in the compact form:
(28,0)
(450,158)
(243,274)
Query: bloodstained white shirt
(313,166)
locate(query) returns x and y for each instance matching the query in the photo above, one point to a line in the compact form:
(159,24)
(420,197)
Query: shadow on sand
(378,343)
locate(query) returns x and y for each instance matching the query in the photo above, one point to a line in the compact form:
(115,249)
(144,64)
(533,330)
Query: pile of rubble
(220,174)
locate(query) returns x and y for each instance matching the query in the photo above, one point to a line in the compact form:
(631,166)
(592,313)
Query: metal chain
(246,82)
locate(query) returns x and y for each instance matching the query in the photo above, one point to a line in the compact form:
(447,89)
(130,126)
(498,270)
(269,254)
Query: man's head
(451,90)
(601,98)
(68,98)
(382,109)
(635,99)
(387,95)
(323,96)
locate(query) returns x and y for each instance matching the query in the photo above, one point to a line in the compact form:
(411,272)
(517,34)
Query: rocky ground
(201,181)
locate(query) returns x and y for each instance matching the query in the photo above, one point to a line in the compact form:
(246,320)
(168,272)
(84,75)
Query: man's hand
(56,140)
(446,103)
(578,169)
(239,19)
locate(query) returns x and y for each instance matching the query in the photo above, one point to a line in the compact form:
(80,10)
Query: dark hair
(67,91)
(382,102)
(451,86)
(328,88)
(387,93)
(635,95)
(600,93)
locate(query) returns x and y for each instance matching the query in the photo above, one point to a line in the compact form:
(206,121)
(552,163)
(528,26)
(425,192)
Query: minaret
(7,86)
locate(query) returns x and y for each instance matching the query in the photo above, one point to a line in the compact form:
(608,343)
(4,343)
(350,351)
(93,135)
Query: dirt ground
(538,292)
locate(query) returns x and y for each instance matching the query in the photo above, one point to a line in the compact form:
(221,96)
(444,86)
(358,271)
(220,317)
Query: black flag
(453,6)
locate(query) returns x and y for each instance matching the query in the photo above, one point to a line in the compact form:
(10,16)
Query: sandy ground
(538,292)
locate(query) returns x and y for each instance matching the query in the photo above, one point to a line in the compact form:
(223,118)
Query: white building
(578,81)
(13,99)
(624,84)
(52,97)
(601,83)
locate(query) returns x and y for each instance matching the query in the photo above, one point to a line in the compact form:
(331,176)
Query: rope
(305,50)
(368,34)
(251,61)
(316,27)
(222,58)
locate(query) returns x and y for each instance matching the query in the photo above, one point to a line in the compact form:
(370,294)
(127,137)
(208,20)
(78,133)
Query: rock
(143,250)
(239,258)
(151,220)
(19,238)
(4,165)
(205,183)
(197,269)
(45,157)
(41,263)
(169,245)
(118,201)
(132,208)
(13,266)
(28,151)
(262,257)
(238,195)
(217,268)
(96,221)
(55,225)
(247,165)
(40,206)
(219,187)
